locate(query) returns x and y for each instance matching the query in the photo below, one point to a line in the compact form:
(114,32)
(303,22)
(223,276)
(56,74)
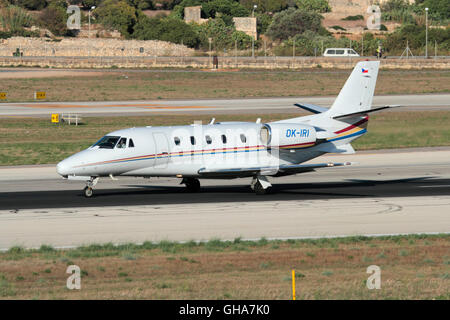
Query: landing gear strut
(88,190)
(261,185)
(192,184)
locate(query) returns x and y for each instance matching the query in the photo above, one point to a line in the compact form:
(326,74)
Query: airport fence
(220,62)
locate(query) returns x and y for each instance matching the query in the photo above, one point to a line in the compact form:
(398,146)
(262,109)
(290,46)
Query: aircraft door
(161,149)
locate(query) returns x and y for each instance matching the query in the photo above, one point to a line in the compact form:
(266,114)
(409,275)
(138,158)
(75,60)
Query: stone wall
(344,8)
(193,14)
(224,62)
(69,47)
(247,25)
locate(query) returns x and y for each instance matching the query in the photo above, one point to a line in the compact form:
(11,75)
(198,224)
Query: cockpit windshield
(107,142)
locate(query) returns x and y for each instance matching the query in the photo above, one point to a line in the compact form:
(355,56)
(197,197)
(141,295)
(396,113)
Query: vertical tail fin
(357,93)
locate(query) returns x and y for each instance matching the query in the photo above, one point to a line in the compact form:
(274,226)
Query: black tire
(88,192)
(192,185)
(259,190)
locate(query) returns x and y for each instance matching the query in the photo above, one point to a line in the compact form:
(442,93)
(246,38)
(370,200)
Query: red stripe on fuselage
(354,125)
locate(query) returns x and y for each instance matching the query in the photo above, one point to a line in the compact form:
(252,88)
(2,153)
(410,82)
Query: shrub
(117,14)
(226,9)
(223,35)
(415,35)
(87,4)
(166,29)
(292,22)
(54,19)
(14,19)
(265,5)
(438,9)
(30,4)
(338,28)
(353,18)
(263,21)
(320,6)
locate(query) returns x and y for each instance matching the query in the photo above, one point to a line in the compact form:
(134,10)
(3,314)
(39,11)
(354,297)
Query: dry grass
(412,267)
(135,85)
(37,141)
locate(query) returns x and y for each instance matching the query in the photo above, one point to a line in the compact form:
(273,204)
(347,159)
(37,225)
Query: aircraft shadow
(154,195)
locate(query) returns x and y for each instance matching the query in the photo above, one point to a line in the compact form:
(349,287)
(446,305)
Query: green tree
(88,4)
(30,4)
(166,4)
(226,9)
(223,36)
(415,35)
(54,19)
(320,6)
(391,5)
(57,4)
(290,22)
(165,29)
(117,14)
(265,5)
(263,21)
(141,4)
(437,8)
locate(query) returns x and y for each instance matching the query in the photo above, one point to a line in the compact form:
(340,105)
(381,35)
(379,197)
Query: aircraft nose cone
(62,168)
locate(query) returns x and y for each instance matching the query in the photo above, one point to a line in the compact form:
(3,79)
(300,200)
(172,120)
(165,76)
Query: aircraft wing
(275,171)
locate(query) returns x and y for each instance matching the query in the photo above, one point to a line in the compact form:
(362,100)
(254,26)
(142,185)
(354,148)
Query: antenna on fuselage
(212,121)
(258,120)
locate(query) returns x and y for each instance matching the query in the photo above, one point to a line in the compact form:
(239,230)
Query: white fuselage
(232,149)
(184,150)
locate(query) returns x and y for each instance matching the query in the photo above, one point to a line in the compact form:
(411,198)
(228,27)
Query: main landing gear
(90,184)
(261,185)
(192,184)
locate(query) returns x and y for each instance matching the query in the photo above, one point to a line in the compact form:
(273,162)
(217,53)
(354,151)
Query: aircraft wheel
(88,192)
(259,190)
(192,185)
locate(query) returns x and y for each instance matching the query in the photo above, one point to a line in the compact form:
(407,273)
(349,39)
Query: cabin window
(107,142)
(208,139)
(177,141)
(243,138)
(130,143)
(122,143)
(224,139)
(192,140)
(331,51)
(339,51)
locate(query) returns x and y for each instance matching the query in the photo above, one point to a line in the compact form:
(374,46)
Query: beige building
(247,25)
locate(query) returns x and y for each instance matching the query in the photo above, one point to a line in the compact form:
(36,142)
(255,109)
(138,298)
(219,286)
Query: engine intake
(288,135)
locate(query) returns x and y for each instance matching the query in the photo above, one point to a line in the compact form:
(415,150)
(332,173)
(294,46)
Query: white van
(340,52)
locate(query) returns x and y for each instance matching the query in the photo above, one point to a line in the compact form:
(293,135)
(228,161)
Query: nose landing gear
(88,190)
(261,185)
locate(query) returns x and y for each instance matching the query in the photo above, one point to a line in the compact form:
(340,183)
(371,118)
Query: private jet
(228,150)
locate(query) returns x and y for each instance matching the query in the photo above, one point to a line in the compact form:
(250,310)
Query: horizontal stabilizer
(311,107)
(360,113)
(331,148)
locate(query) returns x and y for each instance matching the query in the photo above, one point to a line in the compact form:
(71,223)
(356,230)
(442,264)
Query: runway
(385,193)
(212,106)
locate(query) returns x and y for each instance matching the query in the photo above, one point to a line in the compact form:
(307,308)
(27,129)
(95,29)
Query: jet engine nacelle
(288,135)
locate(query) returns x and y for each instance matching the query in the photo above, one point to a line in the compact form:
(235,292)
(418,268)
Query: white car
(340,52)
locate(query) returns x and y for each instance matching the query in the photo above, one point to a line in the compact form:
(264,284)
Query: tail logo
(365,70)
